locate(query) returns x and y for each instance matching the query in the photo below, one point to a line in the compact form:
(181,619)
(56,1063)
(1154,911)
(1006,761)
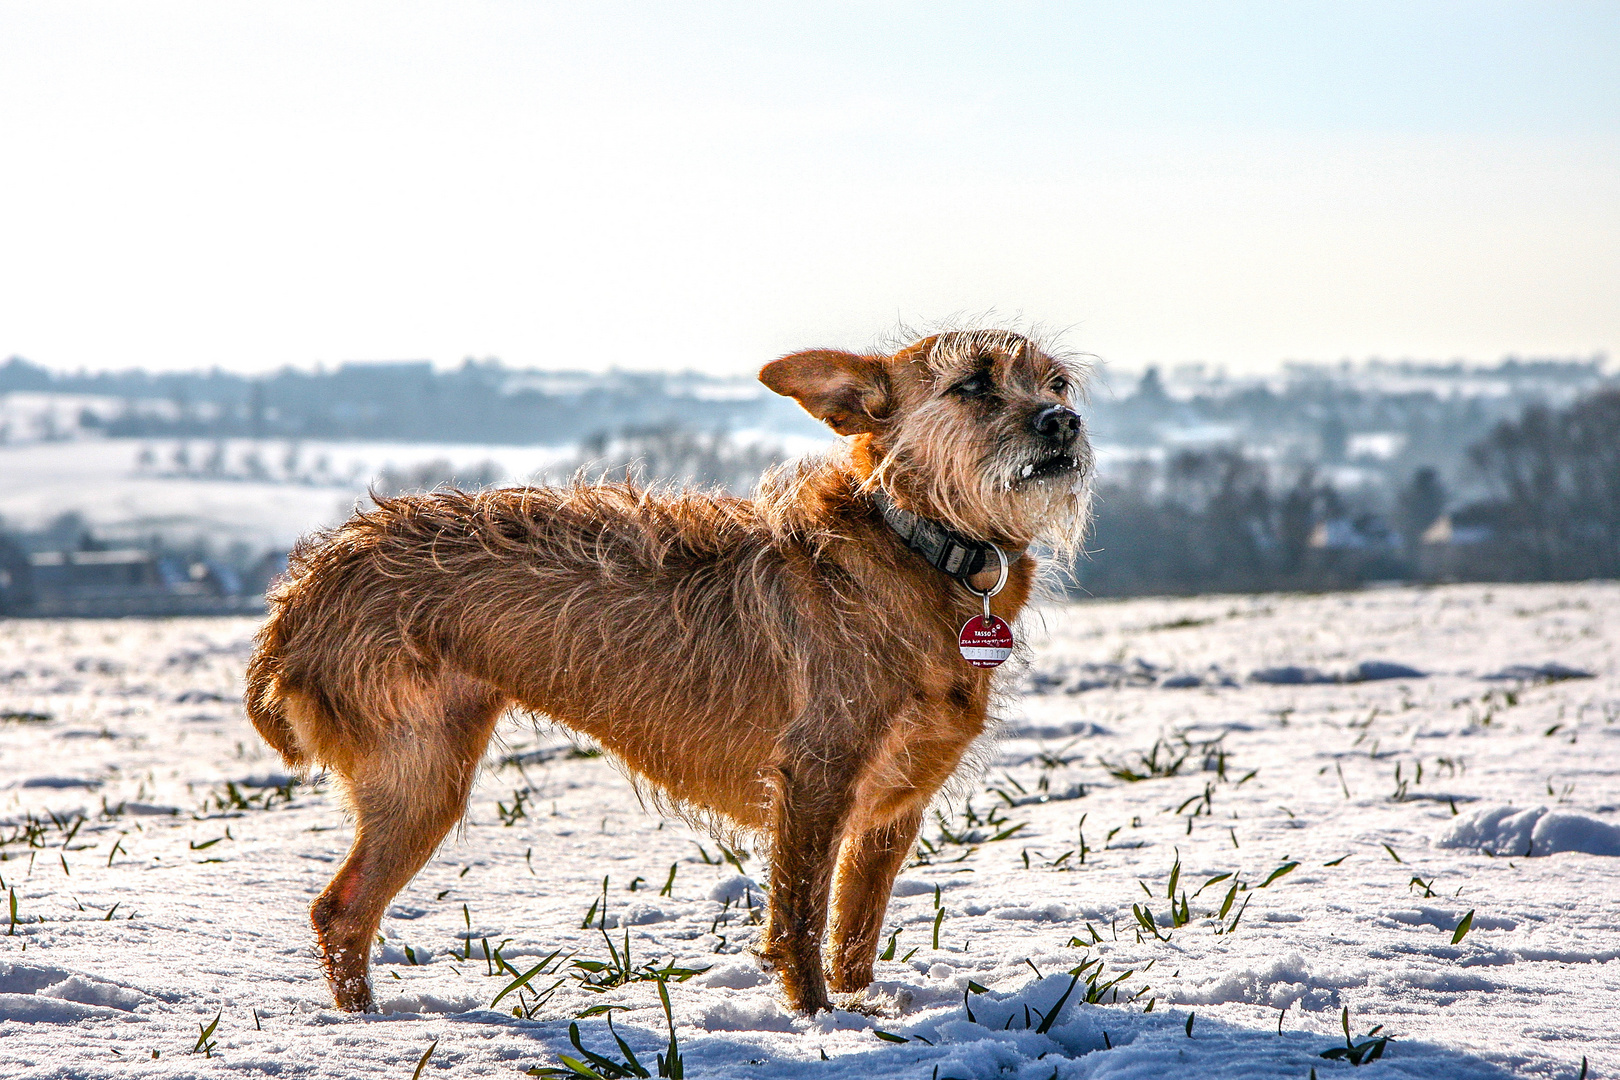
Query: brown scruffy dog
(789,663)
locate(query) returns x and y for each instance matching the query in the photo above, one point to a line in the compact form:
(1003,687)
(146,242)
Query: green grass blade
(421,1062)
(624,1047)
(1046,1024)
(1285,868)
(522,980)
(670,1064)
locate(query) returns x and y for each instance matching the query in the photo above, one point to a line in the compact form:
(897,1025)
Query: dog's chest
(921,749)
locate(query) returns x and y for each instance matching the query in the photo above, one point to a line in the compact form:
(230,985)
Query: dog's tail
(264,699)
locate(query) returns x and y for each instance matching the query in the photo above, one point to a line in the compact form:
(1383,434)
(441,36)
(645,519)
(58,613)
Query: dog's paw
(766,964)
(858,1002)
(877,1005)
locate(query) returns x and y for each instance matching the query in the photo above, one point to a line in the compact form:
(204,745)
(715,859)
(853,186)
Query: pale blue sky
(709,185)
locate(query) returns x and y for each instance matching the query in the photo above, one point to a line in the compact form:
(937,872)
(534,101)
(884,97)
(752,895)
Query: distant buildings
(111,583)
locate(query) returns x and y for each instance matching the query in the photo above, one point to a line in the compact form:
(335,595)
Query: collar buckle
(943,548)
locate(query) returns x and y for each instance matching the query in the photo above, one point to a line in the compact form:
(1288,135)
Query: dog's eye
(973,386)
(1060,387)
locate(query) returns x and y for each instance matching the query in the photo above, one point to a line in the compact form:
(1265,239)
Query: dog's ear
(850,393)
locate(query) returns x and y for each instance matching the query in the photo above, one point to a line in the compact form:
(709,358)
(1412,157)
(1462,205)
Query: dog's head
(974,428)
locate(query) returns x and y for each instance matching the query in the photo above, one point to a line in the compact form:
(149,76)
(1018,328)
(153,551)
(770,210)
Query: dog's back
(599,605)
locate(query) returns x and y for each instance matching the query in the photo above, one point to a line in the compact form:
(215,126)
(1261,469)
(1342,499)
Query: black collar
(945,549)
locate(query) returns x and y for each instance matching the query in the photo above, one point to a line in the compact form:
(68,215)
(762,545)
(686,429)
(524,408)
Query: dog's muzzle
(1047,468)
(1060,448)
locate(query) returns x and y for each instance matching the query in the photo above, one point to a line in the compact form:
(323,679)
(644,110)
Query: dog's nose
(1057,423)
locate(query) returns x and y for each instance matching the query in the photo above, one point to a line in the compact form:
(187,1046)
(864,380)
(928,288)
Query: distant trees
(436,474)
(1418,504)
(1220,521)
(1554,475)
(1215,521)
(479,402)
(1381,420)
(670,453)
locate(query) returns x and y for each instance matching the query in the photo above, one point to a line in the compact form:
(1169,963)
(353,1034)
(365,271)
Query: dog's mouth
(1048,468)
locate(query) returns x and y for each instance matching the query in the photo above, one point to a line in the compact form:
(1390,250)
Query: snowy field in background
(106,481)
(268,492)
(1363,821)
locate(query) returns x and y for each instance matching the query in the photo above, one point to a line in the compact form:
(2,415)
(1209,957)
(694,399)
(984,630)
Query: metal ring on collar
(1001,582)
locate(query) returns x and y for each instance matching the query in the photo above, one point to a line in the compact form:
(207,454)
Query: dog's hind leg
(405,794)
(867,865)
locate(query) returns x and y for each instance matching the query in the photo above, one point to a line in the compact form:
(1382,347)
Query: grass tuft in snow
(1285,868)
(600,1067)
(230,799)
(600,976)
(511,815)
(1369,1050)
(989,828)
(205,1039)
(1167,757)
(529,1000)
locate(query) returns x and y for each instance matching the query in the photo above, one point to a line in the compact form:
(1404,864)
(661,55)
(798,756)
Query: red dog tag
(985,641)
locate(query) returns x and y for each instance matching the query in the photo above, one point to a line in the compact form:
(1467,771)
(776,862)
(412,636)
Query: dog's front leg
(813,804)
(866,869)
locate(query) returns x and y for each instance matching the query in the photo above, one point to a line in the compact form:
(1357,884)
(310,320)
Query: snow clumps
(1504,830)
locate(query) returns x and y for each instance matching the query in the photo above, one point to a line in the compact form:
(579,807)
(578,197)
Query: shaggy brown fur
(783,663)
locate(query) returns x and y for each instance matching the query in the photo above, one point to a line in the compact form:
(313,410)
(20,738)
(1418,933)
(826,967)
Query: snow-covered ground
(1363,821)
(266,492)
(263,493)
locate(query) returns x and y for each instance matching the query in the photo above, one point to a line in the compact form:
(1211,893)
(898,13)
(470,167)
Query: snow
(292,487)
(1503,830)
(182,895)
(105,481)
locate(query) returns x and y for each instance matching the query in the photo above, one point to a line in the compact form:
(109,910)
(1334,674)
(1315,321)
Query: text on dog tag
(985,641)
